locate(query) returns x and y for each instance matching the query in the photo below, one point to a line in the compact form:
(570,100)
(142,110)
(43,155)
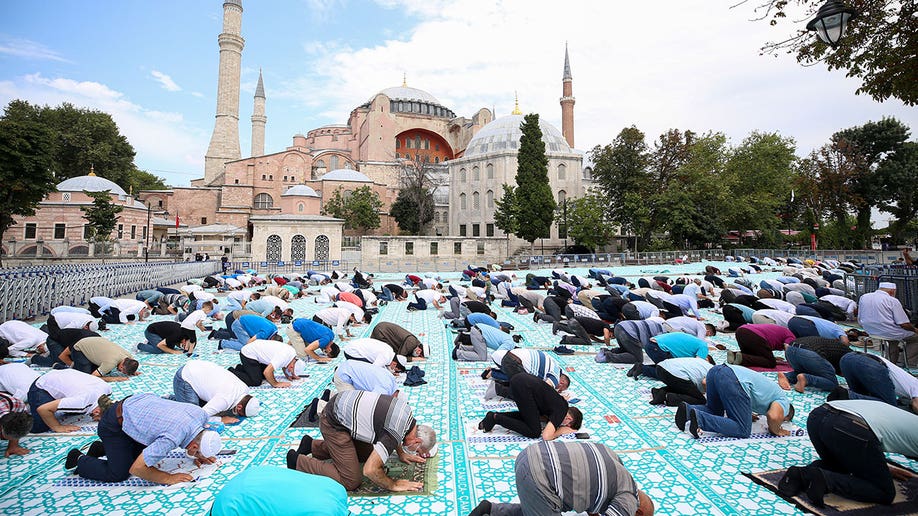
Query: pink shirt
(776,336)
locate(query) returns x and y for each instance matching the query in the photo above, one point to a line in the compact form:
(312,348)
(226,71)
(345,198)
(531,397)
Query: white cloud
(692,65)
(164,141)
(29,50)
(165,81)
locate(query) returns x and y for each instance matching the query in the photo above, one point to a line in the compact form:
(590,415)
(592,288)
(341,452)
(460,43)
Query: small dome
(406,93)
(504,134)
(90,184)
(300,191)
(346,174)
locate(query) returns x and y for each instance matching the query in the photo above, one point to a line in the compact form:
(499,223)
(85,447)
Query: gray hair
(428,437)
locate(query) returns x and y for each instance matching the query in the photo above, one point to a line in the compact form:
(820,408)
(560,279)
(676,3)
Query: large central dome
(406,93)
(504,134)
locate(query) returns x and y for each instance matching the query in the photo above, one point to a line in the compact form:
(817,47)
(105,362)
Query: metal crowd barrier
(26,292)
(869,279)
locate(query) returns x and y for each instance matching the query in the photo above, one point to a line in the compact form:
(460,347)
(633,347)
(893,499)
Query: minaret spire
(567,101)
(516,105)
(259,119)
(224,143)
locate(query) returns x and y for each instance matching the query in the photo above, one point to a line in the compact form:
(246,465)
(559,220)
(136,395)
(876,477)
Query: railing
(869,279)
(869,256)
(29,291)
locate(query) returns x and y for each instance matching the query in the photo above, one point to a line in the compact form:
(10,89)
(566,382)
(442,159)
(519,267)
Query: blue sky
(655,64)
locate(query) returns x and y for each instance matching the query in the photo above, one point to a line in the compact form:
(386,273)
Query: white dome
(346,174)
(300,191)
(90,184)
(406,93)
(504,134)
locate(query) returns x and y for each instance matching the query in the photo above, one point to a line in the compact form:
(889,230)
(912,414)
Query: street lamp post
(831,21)
(146,244)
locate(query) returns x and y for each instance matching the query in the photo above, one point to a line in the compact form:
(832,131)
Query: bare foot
(783,382)
(801,383)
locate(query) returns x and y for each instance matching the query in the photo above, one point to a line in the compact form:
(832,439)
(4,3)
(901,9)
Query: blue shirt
(262,306)
(827,329)
(312,331)
(495,338)
(160,425)
(276,490)
(366,377)
(257,326)
(682,345)
(686,304)
(762,391)
(747,311)
(480,318)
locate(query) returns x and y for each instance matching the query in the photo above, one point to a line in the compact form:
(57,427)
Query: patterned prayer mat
(426,473)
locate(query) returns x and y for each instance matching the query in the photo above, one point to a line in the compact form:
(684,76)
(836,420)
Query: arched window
(274,249)
(489,171)
(347,194)
(334,162)
(462,202)
(476,174)
(398,143)
(562,172)
(417,142)
(347,165)
(489,198)
(476,201)
(562,196)
(298,248)
(461,175)
(300,207)
(263,201)
(321,247)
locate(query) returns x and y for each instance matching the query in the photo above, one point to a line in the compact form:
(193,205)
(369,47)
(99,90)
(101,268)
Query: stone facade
(417,253)
(224,143)
(290,238)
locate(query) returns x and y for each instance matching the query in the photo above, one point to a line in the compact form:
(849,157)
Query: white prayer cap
(252,408)
(94,326)
(887,285)
(299,368)
(210,443)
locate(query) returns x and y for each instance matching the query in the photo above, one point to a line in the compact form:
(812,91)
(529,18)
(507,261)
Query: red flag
(176,221)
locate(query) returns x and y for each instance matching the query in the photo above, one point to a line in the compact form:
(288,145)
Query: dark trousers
(419,303)
(525,303)
(756,350)
(868,378)
(851,457)
(36,398)
(657,354)
(510,366)
(734,316)
(629,349)
(112,316)
(799,326)
(552,308)
(526,421)
(54,351)
(673,310)
(680,388)
(80,362)
(728,410)
(818,372)
(580,338)
(120,452)
(250,371)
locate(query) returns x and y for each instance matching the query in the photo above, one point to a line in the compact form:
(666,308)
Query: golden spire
(516,105)
(404,80)
(92,170)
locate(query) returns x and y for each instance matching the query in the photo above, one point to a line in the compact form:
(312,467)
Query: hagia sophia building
(268,206)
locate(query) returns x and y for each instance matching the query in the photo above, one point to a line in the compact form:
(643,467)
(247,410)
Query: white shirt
(22,336)
(276,301)
(201,295)
(16,378)
(189,322)
(128,307)
(240,295)
(376,351)
(906,385)
(369,298)
(75,309)
(479,293)
(429,283)
(216,386)
(848,305)
(72,319)
(344,286)
(428,295)
(881,314)
(187,289)
(232,282)
(327,294)
(780,317)
(102,302)
(460,290)
(271,352)
(335,317)
(78,392)
(779,304)
(354,309)
(687,325)
(244,278)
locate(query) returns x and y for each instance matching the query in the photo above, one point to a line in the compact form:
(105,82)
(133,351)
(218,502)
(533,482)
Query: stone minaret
(224,144)
(259,119)
(567,102)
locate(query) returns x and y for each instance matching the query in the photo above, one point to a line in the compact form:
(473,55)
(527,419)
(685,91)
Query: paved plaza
(683,475)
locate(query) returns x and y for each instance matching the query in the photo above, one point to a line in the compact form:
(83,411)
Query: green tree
(757,175)
(101,217)
(506,214)
(409,214)
(26,168)
(418,181)
(587,221)
(898,175)
(621,172)
(535,203)
(359,209)
(880,47)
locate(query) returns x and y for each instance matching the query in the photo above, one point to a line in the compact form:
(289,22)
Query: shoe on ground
(96,449)
(564,350)
(693,424)
(487,424)
(554,328)
(483,509)
(818,487)
(731,356)
(681,416)
(657,396)
(313,411)
(305,447)
(635,371)
(838,393)
(73,456)
(794,481)
(326,394)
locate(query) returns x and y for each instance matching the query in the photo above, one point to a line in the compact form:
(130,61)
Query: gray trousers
(552,310)
(629,349)
(456,309)
(535,500)
(477,352)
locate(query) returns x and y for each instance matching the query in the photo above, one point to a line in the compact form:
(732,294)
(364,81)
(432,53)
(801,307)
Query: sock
(483,509)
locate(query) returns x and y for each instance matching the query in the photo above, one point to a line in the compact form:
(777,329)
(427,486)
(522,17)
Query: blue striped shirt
(160,425)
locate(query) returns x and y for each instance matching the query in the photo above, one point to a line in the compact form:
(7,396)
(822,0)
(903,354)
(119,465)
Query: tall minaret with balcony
(259,119)
(224,143)
(567,102)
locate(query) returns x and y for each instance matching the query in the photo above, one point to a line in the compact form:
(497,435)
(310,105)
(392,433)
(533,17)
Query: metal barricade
(868,280)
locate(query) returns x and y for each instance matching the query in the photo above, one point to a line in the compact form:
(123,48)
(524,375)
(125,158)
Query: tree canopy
(880,46)
(410,214)
(534,202)
(359,209)
(102,216)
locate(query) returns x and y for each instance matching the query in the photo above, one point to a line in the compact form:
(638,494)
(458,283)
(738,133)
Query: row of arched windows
(489,199)
(489,173)
(275,248)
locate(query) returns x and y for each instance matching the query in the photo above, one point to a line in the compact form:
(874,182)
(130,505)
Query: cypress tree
(534,201)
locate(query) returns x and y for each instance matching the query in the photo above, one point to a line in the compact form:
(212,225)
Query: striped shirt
(10,404)
(539,364)
(160,425)
(372,418)
(580,476)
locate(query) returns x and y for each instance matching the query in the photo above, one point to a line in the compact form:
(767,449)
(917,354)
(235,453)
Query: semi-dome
(407,93)
(346,174)
(504,134)
(300,191)
(90,184)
